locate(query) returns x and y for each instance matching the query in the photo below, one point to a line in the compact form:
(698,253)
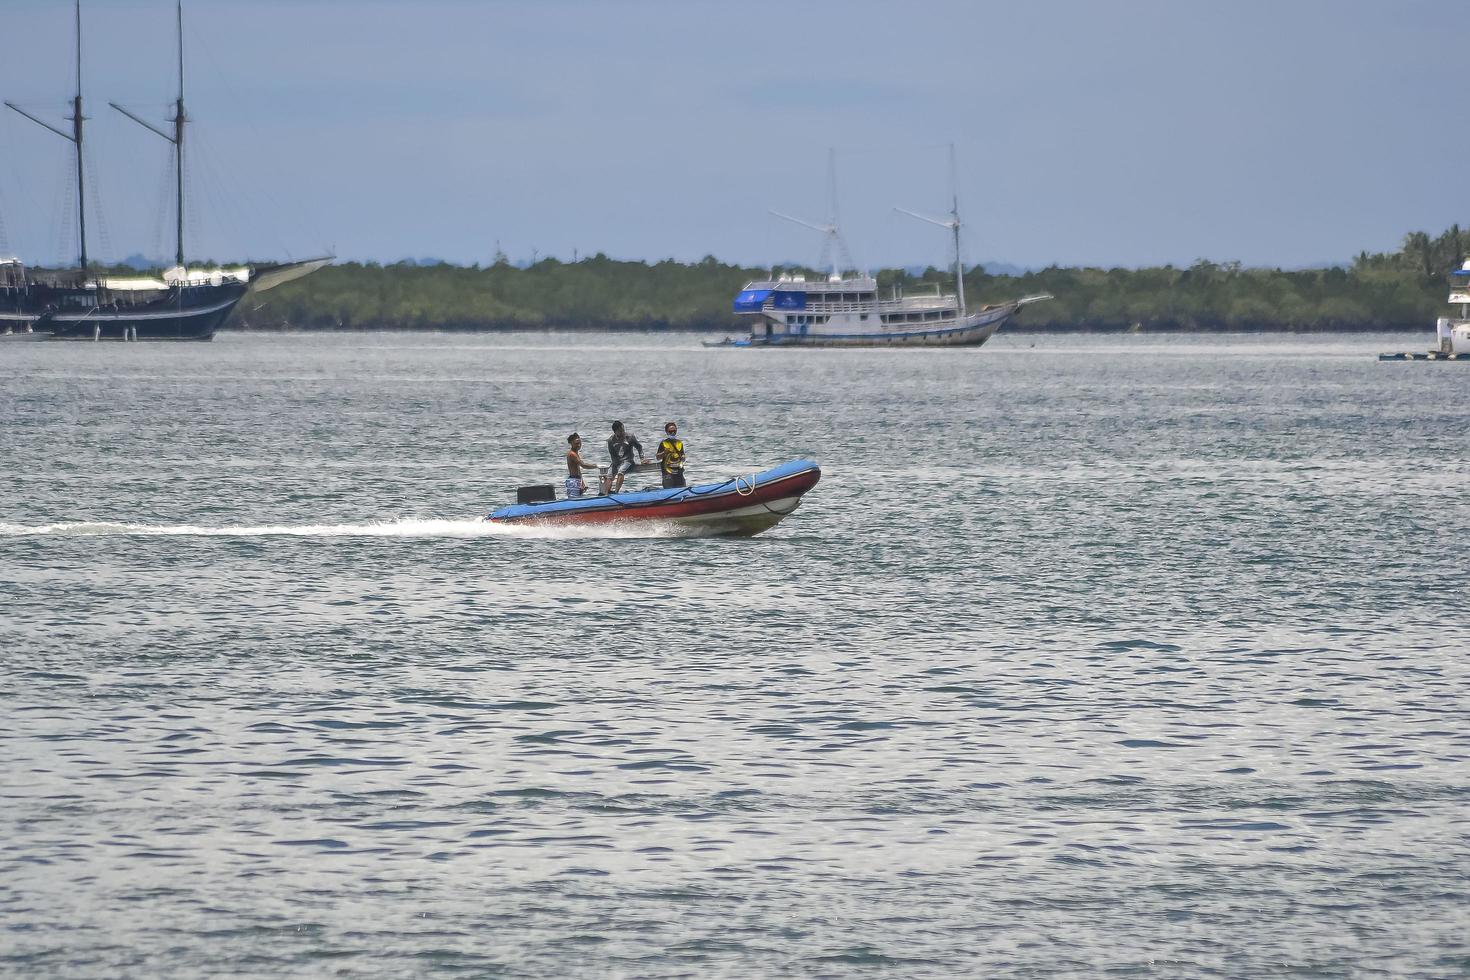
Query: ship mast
(834,247)
(177,139)
(953,224)
(75,137)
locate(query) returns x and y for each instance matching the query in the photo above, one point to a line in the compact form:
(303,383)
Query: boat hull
(189,314)
(17,324)
(970,331)
(743,506)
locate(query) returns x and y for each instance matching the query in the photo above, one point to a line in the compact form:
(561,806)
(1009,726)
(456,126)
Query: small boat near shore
(742,506)
(1452,334)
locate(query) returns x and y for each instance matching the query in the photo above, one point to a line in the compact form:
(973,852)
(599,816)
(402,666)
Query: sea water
(1134,656)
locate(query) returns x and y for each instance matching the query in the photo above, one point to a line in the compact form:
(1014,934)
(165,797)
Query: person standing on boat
(621,447)
(671,456)
(576,466)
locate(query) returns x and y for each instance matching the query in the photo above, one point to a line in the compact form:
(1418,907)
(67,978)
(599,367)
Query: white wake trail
(403,528)
(383,529)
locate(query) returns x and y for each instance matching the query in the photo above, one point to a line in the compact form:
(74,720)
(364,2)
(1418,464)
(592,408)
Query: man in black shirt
(622,447)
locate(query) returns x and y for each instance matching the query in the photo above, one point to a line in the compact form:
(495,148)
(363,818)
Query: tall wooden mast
(177,139)
(953,224)
(75,136)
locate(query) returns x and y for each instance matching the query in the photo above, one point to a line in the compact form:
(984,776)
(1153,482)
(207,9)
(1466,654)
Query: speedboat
(741,506)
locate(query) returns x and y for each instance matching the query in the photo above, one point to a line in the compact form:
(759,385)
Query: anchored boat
(742,506)
(1451,333)
(847,311)
(81,304)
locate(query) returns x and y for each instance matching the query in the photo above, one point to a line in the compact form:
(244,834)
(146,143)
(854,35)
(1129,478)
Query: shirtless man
(576,466)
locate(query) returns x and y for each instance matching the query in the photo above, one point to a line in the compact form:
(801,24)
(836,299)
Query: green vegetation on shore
(1398,290)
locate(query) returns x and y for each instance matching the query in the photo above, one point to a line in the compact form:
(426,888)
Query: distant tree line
(1405,289)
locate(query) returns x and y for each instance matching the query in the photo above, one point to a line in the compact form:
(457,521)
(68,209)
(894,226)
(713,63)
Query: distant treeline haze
(1403,289)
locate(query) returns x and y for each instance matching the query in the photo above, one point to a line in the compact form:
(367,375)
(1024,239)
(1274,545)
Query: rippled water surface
(1102,656)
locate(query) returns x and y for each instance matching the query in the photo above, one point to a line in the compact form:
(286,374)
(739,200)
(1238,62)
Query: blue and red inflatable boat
(743,505)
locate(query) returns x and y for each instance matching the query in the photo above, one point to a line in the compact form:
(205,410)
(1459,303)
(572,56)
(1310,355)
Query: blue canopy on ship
(751,300)
(788,300)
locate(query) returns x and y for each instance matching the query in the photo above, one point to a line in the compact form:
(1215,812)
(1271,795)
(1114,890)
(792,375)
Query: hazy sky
(1277,132)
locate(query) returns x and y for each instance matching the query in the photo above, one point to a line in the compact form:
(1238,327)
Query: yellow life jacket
(671,455)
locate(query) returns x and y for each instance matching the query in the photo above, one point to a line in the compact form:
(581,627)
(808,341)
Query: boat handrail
(915,304)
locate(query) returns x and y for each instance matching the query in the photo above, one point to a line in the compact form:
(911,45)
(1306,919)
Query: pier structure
(1451,334)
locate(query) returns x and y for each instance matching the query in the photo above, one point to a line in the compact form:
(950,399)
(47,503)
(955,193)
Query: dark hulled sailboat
(180,304)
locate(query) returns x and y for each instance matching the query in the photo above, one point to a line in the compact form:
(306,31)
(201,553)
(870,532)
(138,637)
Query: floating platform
(1433,355)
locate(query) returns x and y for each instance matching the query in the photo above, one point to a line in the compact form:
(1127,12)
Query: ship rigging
(85,304)
(846,310)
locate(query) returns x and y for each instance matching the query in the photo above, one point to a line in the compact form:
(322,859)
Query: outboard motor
(540,493)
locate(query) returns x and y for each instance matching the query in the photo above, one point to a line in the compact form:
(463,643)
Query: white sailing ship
(847,310)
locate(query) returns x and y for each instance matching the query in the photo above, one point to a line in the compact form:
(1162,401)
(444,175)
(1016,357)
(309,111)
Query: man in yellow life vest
(671,456)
